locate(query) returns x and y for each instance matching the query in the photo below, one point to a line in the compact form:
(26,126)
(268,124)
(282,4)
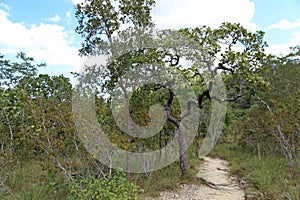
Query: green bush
(115,187)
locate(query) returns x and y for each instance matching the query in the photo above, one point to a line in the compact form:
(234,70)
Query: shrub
(115,187)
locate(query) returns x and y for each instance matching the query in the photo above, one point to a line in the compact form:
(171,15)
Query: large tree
(230,51)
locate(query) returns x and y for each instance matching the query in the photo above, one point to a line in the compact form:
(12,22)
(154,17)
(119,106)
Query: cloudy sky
(44,29)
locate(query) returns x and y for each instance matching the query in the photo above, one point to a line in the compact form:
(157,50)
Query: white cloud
(75,2)
(193,13)
(285,24)
(284,49)
(47,43)
(55,18)
(3,9)
(3,13)
(4,6)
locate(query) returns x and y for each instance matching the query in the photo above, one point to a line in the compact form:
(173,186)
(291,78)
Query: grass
(30,180)
(35,179)
(168,178)
(270,177)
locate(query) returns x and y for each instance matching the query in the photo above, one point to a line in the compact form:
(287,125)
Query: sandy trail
(212,171)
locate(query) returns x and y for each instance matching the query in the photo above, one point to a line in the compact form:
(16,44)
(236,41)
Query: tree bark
(128,167)
(177,121)
(198,138)
(184,162)
(284,144)
(11,135)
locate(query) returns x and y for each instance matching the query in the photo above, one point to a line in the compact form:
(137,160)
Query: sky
(44,29)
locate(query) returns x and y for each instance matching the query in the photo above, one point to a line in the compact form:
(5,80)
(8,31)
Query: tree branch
(188,108)
(239,95)
(168,108)
(265,103)
(222,67)
(205,93)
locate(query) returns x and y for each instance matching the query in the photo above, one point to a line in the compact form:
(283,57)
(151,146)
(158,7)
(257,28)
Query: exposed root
(213,185)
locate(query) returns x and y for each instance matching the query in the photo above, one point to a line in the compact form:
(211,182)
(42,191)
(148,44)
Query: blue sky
(44,29)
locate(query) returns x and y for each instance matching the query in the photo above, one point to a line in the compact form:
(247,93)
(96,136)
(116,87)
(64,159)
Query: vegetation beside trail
(267,177)
(43,156)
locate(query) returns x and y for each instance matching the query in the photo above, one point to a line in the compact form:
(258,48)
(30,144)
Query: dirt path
(217,184)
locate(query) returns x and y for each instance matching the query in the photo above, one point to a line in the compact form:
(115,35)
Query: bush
(115,187)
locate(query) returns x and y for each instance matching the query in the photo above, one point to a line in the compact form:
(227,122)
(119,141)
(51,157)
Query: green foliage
(36,116)
(12,72)
(13,98)
(98,20)
(240,53)
(233,115)
(137,12)
(273,125)
(116,187)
